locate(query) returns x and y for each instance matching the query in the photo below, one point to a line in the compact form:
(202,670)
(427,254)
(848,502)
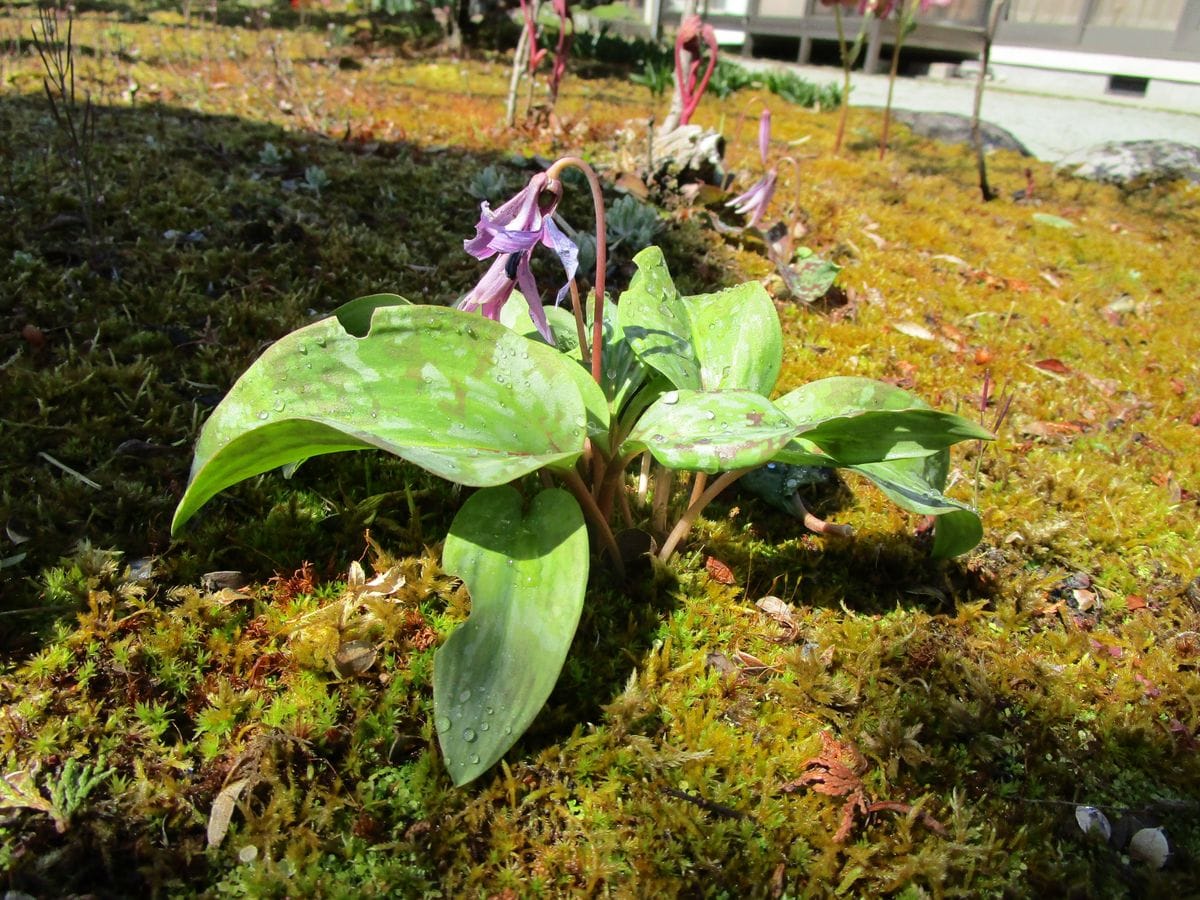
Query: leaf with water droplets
(526,570)
(457,394)
(729,340)
(711,431)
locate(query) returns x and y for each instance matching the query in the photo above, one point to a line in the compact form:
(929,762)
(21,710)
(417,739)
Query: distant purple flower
(764,134)
(511,232)
(754,202)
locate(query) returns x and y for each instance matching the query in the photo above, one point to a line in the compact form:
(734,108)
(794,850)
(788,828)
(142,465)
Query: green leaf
(453,392)
(810,277)
(355,315)
(730,340)
(623,373)
(710,431)
(527,572)
(916,485)
(856,420)
(566,336)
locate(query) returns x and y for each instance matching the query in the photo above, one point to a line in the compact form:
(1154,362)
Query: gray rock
(955,129)
(1135,162)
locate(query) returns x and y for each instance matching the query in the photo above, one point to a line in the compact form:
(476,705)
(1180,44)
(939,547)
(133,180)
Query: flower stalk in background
(562,49)
(908,21)
(849,56)
(688,45)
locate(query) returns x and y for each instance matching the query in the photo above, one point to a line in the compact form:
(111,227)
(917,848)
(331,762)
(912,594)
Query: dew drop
(474,759)
(303,349)
(484,726)
(710,415)
(320,341)
(509,561)
(508,729)
(489,711)
(670,397)
(443,723)
(263,415)
(278,407)
(469,735)
(464,695)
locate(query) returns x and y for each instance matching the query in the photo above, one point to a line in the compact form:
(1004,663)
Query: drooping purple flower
(510,233)
(754,202)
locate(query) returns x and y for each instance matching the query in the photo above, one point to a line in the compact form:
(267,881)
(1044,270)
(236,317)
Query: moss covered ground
(905,727)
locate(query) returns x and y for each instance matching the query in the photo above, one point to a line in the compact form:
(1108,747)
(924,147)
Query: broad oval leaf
(355,315)
(453,392)
(562,326)
(710,431)
(527,572)
(916,485)
(857,420)
(729,340)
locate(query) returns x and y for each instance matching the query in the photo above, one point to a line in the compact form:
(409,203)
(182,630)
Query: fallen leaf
(354,658)
(718,571)
(1134,602)
(222,810)
(1053,365)
(913,330)
(777,609)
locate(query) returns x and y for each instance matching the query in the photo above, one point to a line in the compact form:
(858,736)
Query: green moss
(986,693)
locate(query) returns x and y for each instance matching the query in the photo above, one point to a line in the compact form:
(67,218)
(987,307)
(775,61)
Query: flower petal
(491,292)
(530,292)
(567,252)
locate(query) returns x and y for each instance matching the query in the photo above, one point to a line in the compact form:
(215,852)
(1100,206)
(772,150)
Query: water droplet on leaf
(464,695)
(469,735)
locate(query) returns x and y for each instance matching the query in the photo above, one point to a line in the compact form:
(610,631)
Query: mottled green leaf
(710,431)
(857,420)
(457,394)
(730,340)
(526,570)
(355,315)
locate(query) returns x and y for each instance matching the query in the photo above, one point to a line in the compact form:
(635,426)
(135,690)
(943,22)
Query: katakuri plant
(542,412)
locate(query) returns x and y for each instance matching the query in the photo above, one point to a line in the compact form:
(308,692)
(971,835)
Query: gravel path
(1050,126)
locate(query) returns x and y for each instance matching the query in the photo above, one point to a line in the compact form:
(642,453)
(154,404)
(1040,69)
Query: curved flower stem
(580,327)
(698,487)
(592,512)
(601,253)
(684,525)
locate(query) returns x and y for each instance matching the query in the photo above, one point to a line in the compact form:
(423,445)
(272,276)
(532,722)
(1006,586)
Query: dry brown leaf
(222,810)
(718,571)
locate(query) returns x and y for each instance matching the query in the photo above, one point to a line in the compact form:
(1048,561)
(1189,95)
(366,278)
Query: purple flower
(764,134)
(754,202)
(511,233)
